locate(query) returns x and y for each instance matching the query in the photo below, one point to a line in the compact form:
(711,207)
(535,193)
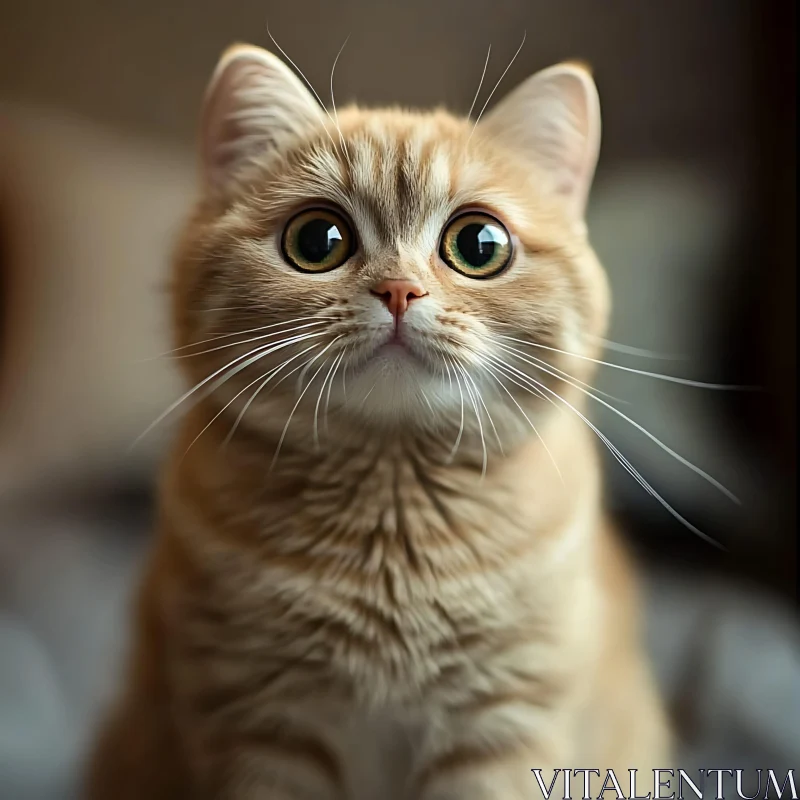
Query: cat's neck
(364,481)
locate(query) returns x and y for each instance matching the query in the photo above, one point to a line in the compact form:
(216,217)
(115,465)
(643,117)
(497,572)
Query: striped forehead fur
(397,173)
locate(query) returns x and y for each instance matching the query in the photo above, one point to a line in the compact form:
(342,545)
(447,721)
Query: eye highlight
(476,245)
(317,240)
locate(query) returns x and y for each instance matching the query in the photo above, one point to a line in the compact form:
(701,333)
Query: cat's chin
(394,350)
(396,386)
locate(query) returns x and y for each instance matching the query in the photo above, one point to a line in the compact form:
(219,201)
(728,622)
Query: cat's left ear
(553,118)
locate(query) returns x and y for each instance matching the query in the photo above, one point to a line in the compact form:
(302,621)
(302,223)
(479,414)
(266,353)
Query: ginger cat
(382,568)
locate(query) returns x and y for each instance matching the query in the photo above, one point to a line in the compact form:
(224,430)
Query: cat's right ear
(254,103)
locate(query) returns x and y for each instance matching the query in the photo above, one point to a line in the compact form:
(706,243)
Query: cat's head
(388,267)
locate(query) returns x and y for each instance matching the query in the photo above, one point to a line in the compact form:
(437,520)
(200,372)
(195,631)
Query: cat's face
(387,267)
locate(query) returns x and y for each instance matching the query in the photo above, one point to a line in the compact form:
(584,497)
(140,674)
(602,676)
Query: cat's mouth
(398,352)
(398,346)
(400,355)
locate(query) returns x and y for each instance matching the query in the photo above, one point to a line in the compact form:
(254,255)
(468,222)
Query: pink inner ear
(572,172)
(222,131)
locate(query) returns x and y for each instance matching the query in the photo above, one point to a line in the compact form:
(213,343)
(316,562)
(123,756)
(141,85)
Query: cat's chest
(389,611)
(383,575)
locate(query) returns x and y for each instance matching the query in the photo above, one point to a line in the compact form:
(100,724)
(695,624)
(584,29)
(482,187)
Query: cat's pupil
(478,242)
(317,239)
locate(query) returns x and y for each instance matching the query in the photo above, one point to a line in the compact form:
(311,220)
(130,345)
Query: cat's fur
(363,614)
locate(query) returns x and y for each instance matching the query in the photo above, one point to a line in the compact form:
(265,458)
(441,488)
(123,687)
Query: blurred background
(693,215)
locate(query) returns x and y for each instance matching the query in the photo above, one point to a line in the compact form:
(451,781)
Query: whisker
(221,308)
(328,377)
(449,377)
(236,333)
(625,463)
(488,415)
(255,394)
(366,396)
(267,377)
(527,419)
(330,386)
(630,350)
(299,399)
(645,373)
(513,59)
(510,349)
(308,83)
(461,425)
(333,103)
(500,362)
(480,84)
(247,341)
(478,418)
(425,398)
(260,352)
(315,425)
(269,374)
(544,367)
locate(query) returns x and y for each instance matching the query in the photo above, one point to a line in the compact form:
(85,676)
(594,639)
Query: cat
(382,566)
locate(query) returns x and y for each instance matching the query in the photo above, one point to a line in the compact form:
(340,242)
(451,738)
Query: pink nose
(397,294)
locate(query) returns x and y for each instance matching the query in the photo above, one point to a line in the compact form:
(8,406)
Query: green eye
(317,240)
(476,245)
